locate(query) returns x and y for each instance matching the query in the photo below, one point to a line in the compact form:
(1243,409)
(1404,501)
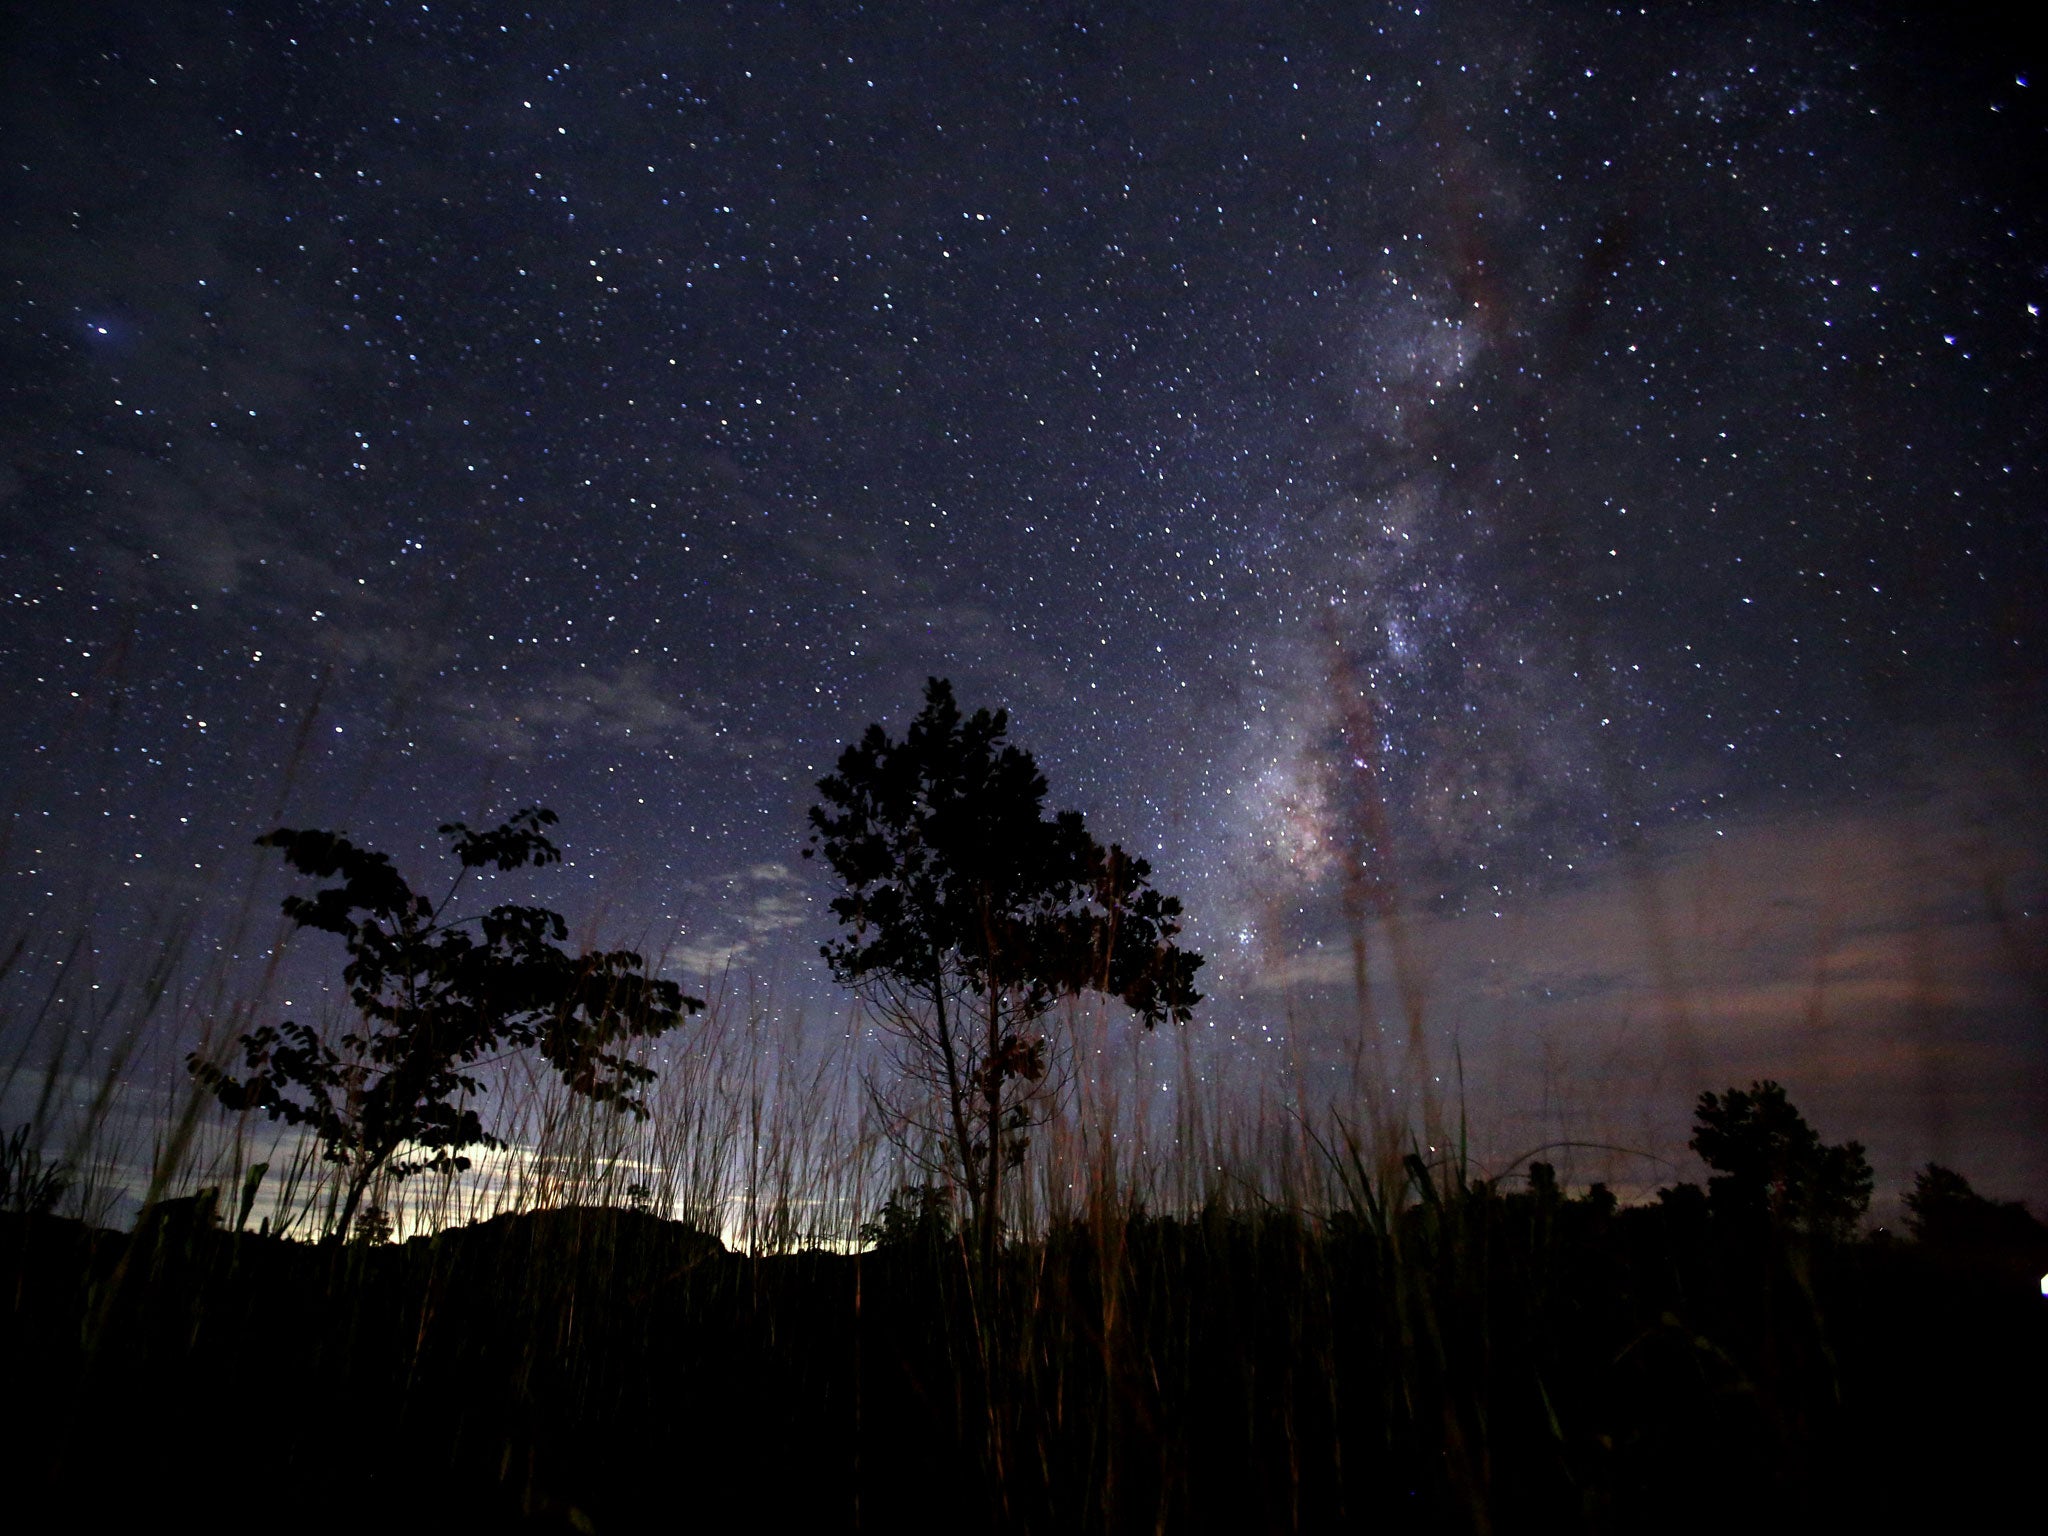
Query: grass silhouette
(1301,1323)
(1266,1315)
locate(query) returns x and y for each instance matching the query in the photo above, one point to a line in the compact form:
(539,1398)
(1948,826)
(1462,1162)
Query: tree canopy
(966,912)
(1943,1211)
(439,995)
(1769,1162)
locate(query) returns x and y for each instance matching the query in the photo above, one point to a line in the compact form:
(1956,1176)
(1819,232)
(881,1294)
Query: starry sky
(1549,494)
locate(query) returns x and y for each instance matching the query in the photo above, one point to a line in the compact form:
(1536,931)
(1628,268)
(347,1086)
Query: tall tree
(966,913)
(439,994)
(1769,1162)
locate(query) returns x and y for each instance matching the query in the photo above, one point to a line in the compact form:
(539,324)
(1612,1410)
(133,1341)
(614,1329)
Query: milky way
(1388,460)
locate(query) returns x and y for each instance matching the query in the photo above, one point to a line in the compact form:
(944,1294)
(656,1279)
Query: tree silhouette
(439,996)
(1770,1163)
(966,913)
(1943,1211)
(915,1216)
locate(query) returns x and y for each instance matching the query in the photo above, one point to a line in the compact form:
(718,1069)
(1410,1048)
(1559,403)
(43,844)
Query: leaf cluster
(28,1185)
(950,868)
(1943,1211)
(915,1216)
(439,997)
(1769,1162)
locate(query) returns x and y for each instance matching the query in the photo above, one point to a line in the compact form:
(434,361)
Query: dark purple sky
(1587,465)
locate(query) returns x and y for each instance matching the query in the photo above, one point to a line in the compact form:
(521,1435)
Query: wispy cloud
(756,904)
(633,705)
(1857,954)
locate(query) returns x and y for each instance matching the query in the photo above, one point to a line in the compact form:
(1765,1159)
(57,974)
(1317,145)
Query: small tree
(1769,1162)
(915,1216)
(966,913)
(1943,1211)
(439,996)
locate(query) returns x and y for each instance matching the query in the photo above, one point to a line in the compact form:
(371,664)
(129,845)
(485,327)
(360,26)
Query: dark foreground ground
(1503,1364)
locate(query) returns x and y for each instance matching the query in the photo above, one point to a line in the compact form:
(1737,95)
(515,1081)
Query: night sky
(1570,479)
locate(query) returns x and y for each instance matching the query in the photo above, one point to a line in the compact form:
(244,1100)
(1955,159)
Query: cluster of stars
(1378,448)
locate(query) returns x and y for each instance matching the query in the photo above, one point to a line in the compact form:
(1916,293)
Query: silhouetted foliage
(176,1226)
(28,1184)
(967,912)
(1943,1211)
(1485,1358)
(438,995)
(915,1216)
(251,1181)
(1770,1163)
(1685,1204)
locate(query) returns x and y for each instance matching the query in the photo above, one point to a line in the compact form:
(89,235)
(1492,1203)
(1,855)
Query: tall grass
(1218,1305)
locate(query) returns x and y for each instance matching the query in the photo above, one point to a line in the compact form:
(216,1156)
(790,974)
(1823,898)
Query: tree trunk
(992,1170)
(956,1091)
(356,1185)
